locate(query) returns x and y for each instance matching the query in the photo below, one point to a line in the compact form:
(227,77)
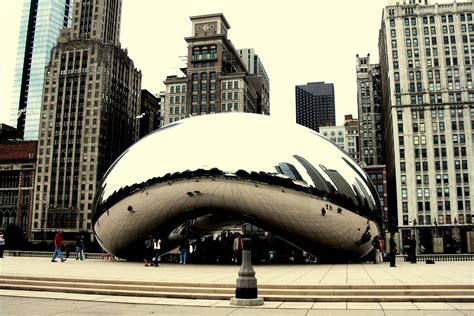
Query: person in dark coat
(148,251)
(79,247)
(183,251)
(393,250)
(413,249)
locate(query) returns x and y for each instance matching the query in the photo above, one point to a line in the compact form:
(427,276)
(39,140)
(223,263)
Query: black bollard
(246,292)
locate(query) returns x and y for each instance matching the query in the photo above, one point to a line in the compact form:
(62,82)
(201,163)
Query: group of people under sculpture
(378,246)
(153,250)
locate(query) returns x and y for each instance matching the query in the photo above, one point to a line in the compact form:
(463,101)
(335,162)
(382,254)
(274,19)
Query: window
(404,193)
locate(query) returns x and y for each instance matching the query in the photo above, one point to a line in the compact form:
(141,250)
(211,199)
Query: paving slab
(330,305)
(462,305)
(367,274)
(291,305)
(433,306)
(398,305)
(208,303)
(363,305)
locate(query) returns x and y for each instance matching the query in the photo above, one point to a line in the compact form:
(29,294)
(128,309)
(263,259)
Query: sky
(298,41)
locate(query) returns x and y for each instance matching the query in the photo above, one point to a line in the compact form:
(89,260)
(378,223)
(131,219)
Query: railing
(442,257)
(44,254)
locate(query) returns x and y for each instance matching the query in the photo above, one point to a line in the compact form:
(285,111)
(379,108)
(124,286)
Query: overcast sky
(298,41)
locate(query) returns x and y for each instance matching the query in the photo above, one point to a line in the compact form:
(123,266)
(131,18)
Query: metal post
(246,292)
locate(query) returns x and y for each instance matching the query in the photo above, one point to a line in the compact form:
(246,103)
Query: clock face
(205,27)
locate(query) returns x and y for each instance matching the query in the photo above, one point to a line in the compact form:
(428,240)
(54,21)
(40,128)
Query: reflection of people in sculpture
(130,209)
(365,236)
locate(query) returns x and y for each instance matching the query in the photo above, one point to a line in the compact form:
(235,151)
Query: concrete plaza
(297,274)
(325,275)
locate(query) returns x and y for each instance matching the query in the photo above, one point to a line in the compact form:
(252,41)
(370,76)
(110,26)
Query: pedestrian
(130,209)
(376,246)
(2,245)
(58,243)
(382,248)
(148,251)
(183,251)
(80,247)
(237,247)
(413,249)
(156,250)
(393,250)
(323,211)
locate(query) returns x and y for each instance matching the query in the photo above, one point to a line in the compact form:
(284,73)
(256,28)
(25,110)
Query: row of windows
(177,99)
(230,85)
(204,76)
(178,89)
(431,19)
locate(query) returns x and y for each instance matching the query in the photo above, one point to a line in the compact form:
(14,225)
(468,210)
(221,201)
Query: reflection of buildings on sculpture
(288,170)
(216,79)
(220,187)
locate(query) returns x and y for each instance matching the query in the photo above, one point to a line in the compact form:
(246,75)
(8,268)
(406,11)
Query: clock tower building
(216,79)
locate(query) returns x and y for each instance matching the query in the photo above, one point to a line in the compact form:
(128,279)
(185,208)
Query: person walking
(393,250)
(413,249)
(156,250)
(79,247)
(237,247)
(2,245)
(58,243)
(148,251)
(183,251)
(382,248)
(376,245)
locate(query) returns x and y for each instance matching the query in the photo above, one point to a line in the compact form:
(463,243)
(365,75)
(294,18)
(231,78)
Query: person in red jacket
(58,243)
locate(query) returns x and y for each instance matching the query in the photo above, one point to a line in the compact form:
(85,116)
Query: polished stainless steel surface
(203,174)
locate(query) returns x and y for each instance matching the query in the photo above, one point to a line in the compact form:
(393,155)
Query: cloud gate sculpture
(200,175)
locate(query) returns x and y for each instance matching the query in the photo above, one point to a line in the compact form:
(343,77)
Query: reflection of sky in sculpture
(255,145)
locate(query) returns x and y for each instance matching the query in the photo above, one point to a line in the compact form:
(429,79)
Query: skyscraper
(40,24)
(315,105)
(216,79)
(90,113)
(426,58)
(369,103)
(255,67)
